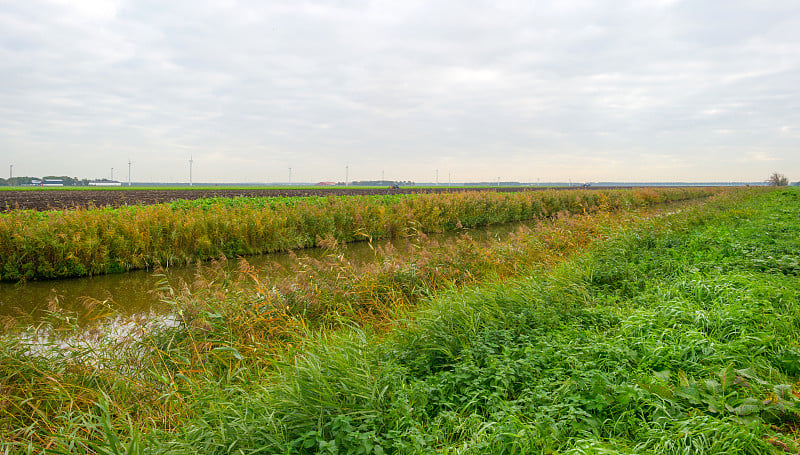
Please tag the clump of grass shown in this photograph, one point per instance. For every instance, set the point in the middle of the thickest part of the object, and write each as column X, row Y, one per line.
column 53, row 374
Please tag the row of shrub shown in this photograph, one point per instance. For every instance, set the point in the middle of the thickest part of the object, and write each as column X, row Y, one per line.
column 71, row 243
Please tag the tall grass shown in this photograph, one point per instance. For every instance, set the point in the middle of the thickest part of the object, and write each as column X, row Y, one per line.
column 672, row 334
column 665, row 340
column 245, row 320
column 58, row 244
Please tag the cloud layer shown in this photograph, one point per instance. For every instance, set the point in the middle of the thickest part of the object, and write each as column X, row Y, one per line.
column 649, row 90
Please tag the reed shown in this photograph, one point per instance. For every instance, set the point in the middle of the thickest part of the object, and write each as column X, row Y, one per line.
column 70, row 243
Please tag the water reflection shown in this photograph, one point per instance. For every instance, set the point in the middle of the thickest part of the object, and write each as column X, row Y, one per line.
column 134, row 292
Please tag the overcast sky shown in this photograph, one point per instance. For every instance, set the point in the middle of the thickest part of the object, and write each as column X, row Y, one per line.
column 640, row 90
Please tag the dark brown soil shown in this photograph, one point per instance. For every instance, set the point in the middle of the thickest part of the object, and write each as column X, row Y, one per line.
column 51, row 199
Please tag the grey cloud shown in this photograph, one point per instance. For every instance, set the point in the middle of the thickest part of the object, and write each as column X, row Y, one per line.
column 413, row 85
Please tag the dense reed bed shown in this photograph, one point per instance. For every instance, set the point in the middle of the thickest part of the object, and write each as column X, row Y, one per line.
column 58, row 244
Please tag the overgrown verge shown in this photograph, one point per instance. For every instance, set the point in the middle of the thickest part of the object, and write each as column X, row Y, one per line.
column 249, row 317
column 680, row 336
column 633, row 349
column 58, row 244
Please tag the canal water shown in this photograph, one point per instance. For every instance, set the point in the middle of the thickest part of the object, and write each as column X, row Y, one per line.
column 134, row 293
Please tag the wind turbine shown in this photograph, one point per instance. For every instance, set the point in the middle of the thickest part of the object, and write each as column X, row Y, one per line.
column 190, row 169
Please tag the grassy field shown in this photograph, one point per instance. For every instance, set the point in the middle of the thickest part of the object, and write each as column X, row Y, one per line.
column 628, row 332
column 70, row 243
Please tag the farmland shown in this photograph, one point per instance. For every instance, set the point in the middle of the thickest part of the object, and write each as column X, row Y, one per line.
column 652, row 328
column 69, row 198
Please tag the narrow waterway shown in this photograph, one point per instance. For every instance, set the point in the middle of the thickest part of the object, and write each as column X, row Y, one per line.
column 133, row 292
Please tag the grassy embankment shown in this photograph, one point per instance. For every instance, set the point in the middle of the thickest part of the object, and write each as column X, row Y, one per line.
column 677, row 334
column 69, row 243
column 267, row 316
column 680, row 336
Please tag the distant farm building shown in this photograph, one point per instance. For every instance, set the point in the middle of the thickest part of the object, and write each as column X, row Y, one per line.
column 47, row 182
column 105, row 183
column 326, row 183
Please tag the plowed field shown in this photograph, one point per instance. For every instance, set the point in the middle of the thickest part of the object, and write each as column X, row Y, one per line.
column 67, row 199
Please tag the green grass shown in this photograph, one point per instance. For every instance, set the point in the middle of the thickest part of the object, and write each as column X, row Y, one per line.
column 672, row 334
column 666, row 340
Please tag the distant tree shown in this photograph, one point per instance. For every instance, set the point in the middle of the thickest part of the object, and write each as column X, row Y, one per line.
column 777, row 179
column 19, row 181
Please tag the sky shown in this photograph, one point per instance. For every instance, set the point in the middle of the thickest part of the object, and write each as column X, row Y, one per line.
column 568, row 90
